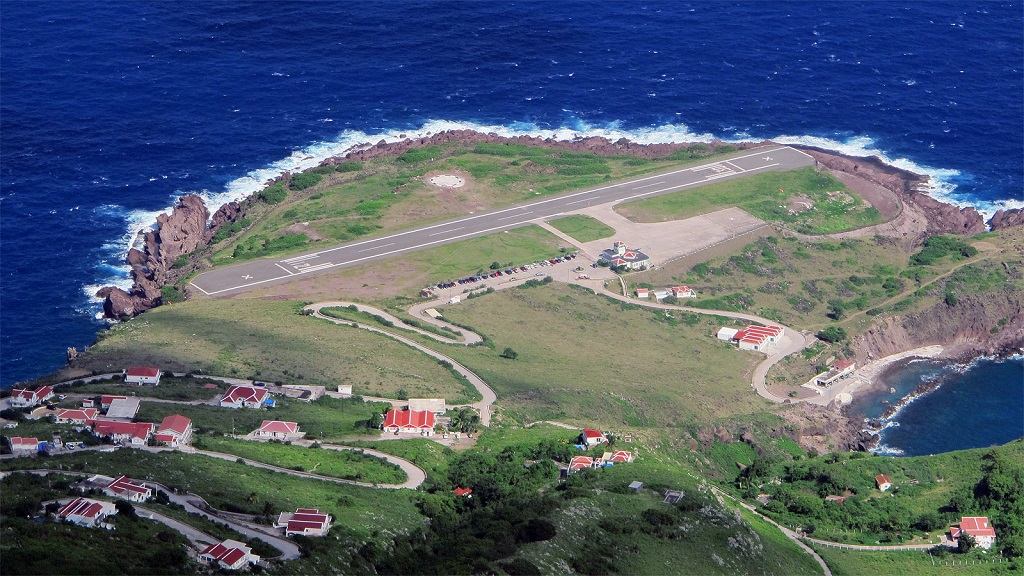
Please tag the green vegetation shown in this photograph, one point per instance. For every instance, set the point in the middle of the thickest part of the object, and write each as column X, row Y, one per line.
column 937, row 247
column 171, row 388
column 345, row 464
column 809, row 201
column 327, row 418
column 662, row 371
column 583, row 228
column 304, row 180
column 909, row 563
column 929, row 494
column 269, row 340
column 273, row 194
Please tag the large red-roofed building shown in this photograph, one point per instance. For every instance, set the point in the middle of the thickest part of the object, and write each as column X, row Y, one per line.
column 304, row 522
column 978, row 527
column 244, row 397
column 136, row 433
column 142, row 375
column 132, row 490
column 24, row 398
column 756, row 337
column 82, row 416
column 174, row 431
column 86, row 512
column 229, row 554
column 409, row 422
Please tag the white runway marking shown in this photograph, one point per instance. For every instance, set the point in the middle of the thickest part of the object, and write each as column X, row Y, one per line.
column 301, row 258
column 515, row 215
column 283, row 268
column 375, row 247
column 649, row 185
column 442, row 232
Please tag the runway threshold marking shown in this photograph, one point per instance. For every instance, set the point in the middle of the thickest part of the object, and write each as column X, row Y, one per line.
column 283, row 268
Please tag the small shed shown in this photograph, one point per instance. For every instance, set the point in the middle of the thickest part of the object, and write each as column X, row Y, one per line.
column 727, row 334
column 432, row 313
column 673, row 496
column 636, row 486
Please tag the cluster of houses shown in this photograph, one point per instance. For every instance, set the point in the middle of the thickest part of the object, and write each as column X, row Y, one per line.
column 590, row 438
column 675, row 291
column 753, row 337
column 174, row 431
column 27, row 398
column 620, row 256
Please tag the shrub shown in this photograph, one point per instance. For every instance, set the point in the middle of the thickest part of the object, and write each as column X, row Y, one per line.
column 273, row 195
column 305, row 180
column 832, row 334
column 509, row 354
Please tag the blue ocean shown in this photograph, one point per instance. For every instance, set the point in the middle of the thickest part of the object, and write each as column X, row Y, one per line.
column 110, row 110
column 973, row 405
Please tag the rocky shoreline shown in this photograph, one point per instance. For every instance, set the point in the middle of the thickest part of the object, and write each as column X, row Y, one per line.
column 155, row 260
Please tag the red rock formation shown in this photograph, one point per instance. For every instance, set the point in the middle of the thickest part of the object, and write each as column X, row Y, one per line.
column 1006, row 219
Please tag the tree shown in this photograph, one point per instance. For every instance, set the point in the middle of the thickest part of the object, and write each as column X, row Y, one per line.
column 509, row 353
column 125, row 508
column 832, row 334
column 965, row 543
column 495, row 265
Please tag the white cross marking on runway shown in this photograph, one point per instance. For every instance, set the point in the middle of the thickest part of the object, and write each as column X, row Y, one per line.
column 767, row 158
column 246, row 277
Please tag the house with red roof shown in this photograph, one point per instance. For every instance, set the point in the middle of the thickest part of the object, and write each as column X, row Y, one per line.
column 86, row 512
column 107, row 399
column 642, row 293
column 590, row 437
column 684, row 292
column 135, row 433
column 142, row 375
column 978, row 527
column 25, row 398
column 23, row 446
column 617, row 457
column 174, row 431
column 277, row 429
column 883, row 482
column 304, row 522
column 840, row 369
column 409, row 422
column 620, row 255
column 756, row 337
column 230, row 555
column 81, row 416
column 580, row 463
column 244, row 397
column 465, row 492
column 131, row 490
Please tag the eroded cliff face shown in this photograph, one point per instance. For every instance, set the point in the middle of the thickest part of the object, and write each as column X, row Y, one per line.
column 1006, row 219
column 176, row 234
column 966, row 327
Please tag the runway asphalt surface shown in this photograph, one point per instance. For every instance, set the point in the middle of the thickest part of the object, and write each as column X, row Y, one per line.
column 244, row 276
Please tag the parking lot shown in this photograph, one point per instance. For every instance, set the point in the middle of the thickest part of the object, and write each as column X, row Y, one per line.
column 568, row 262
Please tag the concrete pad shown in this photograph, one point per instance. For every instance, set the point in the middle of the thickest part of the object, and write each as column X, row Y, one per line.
column 667, row 241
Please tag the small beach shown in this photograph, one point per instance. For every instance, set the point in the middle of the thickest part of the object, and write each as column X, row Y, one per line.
column 869, row 376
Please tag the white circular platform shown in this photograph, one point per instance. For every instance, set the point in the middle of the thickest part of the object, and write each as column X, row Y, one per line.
column 448, row 181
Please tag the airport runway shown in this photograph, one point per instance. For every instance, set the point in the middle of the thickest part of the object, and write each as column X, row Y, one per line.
column 247, row 275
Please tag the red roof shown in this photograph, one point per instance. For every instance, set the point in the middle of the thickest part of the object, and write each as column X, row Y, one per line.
column 175, row 423
column 80, row 507
column 591, row 433
column 581, row 462
column 244, row 394
column 19, row 442
column 146, row 371
column 107, row 399
column 622, row 456
column 233, row 556
column 883, row 479
column 463, row 491
column 842, row 364
column 126, row 484
column 85, row 414
column 215, row 550
column 409, row 419
column 279, row 427
column 975, row 526
column 140, row 430
column 37, row 394
column 166, row 438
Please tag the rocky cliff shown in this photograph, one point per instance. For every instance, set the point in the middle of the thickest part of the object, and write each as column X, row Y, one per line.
column 1006, row 219
column 967, row 328
column 175, row 234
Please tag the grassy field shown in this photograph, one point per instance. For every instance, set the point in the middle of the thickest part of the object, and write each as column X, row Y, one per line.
column 403, row 276
column 584, row 358
column 771, row 196
column 327, row 418
column 170, row 388
column 269, row 340
column 345, row 464
column 387, row 194
column 582, row 228
column 908, row 563
column 427, row 454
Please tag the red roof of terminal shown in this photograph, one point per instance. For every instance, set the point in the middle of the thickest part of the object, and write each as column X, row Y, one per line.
column 409, row 419
column 147, row 371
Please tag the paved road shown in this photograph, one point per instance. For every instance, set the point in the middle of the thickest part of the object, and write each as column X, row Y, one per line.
column 240, row 277
column 488, row 395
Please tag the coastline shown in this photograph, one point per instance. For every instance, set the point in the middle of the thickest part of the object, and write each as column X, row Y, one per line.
column 871, row 376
